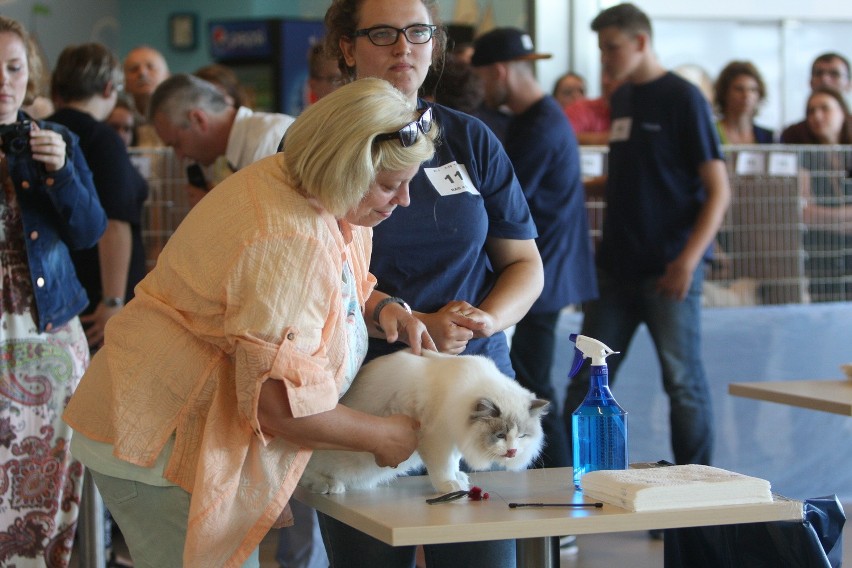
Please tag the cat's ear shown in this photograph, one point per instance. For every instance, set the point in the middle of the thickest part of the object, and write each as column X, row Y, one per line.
column 539, row 407
column 484, row 409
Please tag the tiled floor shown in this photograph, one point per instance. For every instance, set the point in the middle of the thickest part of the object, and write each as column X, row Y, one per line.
column 616, row 550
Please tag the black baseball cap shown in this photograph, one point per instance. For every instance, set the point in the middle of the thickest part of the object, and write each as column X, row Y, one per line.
column 504, row 44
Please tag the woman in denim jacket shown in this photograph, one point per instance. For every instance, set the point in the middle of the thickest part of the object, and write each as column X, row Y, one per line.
column 48, row 205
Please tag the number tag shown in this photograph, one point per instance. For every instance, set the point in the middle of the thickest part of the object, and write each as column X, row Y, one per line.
column 620, row 129
column 450, row 179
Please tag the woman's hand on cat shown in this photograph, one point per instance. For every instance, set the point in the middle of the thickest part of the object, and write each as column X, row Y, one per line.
column 400, row 325
column 397, row 441
column 455, row 324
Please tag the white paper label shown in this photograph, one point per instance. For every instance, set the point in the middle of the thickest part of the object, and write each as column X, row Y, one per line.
column 750, row 163
column 450, row 179
column 783, row 164
column 620, row 130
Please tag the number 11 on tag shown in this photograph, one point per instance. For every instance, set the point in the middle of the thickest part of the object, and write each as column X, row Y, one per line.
column 450, row 179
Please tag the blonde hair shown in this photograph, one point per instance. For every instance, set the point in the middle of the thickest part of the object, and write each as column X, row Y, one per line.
column 331, row 152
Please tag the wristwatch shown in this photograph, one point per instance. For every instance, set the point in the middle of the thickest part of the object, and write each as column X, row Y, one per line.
column 112, row 302
column 389, row 300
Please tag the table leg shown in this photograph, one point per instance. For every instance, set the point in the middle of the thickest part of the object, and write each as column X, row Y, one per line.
column 538, row 552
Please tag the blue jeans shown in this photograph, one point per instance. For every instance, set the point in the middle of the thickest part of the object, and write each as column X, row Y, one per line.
column 300, row 546
column 675, row 327
column 531, row 353
column 349, row 548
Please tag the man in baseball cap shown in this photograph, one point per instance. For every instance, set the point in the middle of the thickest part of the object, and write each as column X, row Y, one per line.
column 504, row 44
column 544, row 152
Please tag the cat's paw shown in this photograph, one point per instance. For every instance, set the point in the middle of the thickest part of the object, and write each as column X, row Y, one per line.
column 463, row 479
column 322, row 485
column 314, row 486
column 451, row 485
column 335, row 487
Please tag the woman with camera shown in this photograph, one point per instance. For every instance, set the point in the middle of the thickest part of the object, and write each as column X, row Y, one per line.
column 48, row 205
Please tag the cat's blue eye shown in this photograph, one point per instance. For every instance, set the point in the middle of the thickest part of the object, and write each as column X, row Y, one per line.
column 523, row 435
column 501, row 436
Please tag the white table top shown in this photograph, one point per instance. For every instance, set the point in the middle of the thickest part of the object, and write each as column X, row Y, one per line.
column 826, row 395
column 399, row 515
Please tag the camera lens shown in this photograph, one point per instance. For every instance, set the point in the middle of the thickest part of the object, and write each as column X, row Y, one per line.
column 18, row 144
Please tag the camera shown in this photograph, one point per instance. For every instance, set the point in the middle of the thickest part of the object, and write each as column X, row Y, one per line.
column 196, row 178
column 15, row 137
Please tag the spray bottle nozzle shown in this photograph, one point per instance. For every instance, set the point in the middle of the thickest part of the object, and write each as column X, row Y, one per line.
column 588, row 347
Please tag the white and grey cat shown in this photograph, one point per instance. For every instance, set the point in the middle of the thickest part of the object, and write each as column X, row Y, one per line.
column 466, row 408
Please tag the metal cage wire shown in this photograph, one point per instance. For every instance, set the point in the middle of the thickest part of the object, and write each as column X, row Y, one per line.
column 786, row 237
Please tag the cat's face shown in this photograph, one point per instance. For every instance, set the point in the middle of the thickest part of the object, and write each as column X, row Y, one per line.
column 505, row 432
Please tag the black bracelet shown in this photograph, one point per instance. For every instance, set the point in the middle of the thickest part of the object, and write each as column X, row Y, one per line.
column 389, row 300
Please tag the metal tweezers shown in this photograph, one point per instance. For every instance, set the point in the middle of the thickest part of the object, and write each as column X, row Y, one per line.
column 448, row 497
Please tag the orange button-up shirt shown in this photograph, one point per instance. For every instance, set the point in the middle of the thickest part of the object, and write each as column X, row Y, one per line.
column 247, row 289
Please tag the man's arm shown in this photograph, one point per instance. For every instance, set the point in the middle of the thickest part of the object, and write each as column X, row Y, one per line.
column 678, row 276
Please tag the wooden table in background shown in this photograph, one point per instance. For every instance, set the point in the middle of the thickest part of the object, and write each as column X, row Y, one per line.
column 826, row 395
column 399, row 515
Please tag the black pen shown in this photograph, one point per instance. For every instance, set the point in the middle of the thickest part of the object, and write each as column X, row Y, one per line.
column 516, row 505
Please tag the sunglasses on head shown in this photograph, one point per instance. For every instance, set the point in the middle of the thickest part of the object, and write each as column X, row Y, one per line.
column 408, row 134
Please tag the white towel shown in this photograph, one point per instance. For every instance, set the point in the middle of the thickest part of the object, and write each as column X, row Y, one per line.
column 674, row 487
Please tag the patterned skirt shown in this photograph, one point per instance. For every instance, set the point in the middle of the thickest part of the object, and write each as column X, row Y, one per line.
column 40, row 484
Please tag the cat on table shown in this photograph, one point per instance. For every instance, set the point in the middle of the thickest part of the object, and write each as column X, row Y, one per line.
column 466, row 408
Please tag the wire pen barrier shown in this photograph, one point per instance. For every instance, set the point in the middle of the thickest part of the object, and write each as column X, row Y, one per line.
column 786, row 237
column 167, row 202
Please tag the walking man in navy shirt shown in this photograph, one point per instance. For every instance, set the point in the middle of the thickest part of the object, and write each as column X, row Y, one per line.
column 666, row 193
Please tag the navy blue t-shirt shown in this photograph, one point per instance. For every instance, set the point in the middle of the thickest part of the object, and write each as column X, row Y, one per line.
column 122, row 191
column 433, row 251
column 661, row 133
column 543, row 149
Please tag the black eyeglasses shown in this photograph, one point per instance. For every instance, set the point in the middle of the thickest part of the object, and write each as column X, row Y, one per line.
column 387, row 35
column 408, row 134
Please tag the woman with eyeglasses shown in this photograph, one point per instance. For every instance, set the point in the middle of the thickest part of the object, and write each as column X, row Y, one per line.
column 198, row 416
column 463, row 253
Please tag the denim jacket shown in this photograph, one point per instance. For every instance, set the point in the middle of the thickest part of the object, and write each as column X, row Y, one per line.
column 60, row 211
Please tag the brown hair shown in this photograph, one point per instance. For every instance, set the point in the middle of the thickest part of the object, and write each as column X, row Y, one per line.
column 341, row 21
column 727, row 76
column 83, row 71
column 34, row 63
column 626, row 17
column 846, row 129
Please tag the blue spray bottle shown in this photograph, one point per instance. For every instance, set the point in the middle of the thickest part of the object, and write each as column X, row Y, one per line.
column 599, row 425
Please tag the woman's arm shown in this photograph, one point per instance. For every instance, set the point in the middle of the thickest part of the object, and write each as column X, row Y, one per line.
column 114, row 255
column 520, row 281
column 390, row 439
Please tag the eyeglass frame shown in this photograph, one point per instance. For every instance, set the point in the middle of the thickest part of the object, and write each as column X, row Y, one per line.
column 418, row 126
column 404, row 31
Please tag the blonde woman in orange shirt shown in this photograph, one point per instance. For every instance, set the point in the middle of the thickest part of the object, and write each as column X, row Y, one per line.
column 223, row 373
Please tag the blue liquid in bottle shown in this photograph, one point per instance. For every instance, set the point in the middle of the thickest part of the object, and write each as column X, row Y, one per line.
column 599, row 429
